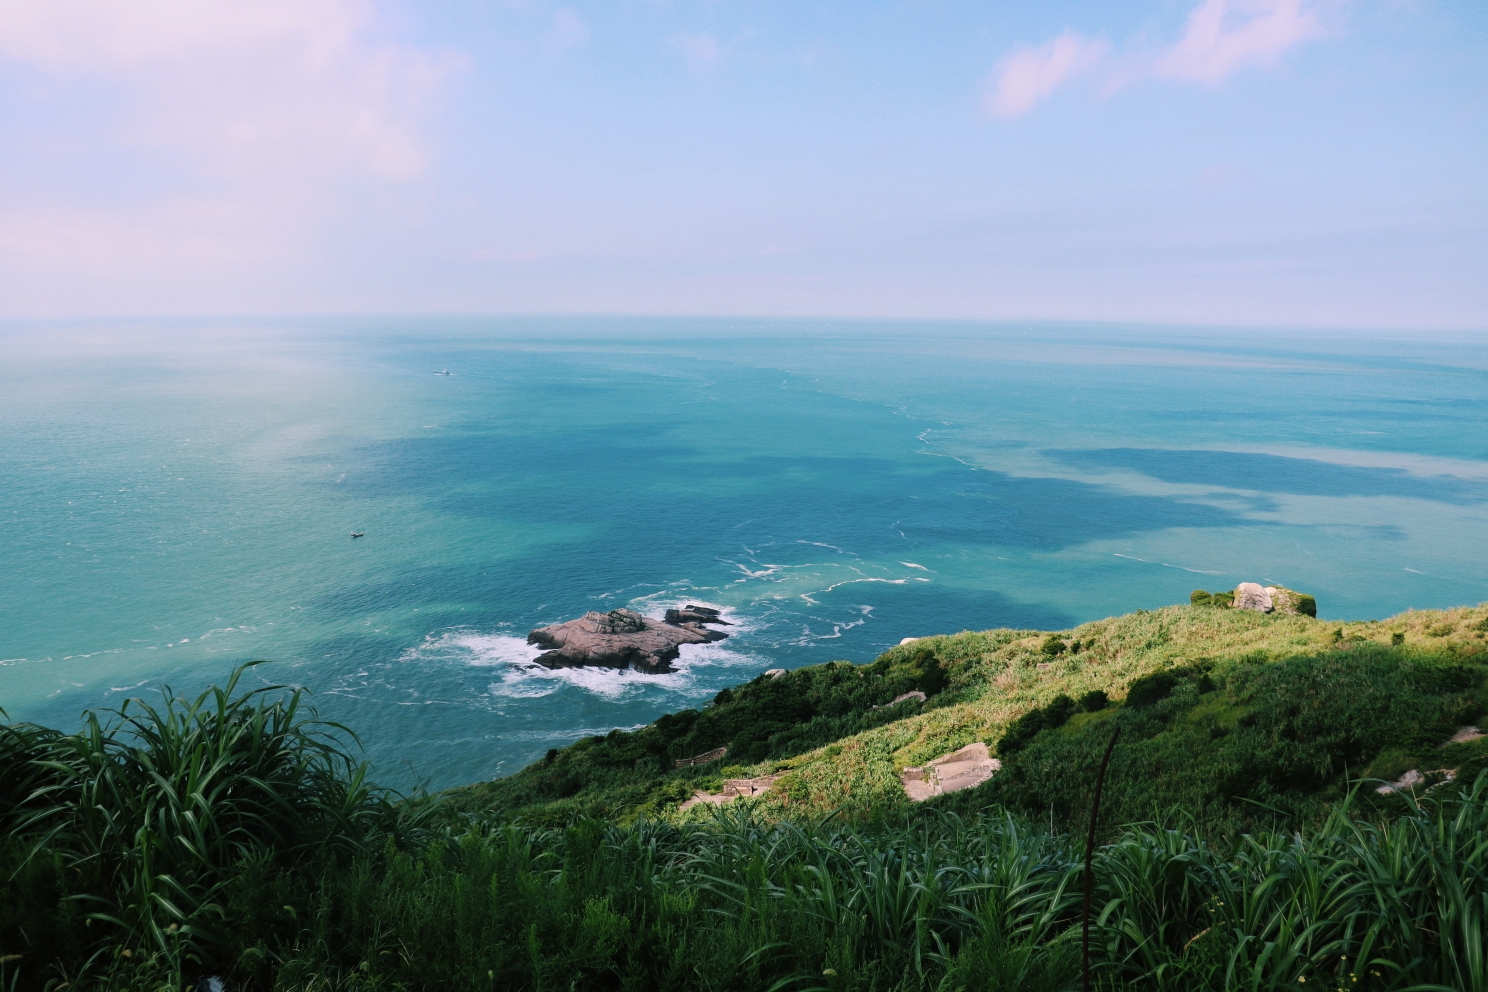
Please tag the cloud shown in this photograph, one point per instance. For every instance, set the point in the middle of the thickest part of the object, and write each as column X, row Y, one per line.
column 1222, row 36
column 1219, row 38
column 184, row 150
column 568, row 28
column 701, row 50
column 1027, row 76
column 241, row 86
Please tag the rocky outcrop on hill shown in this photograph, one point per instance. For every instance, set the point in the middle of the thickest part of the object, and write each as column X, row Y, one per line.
column 625, row 639
column 1259, row 599
column 1252, row 596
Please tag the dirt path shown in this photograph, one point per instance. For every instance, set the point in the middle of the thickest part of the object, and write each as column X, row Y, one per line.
column 963, row 769
column 733, row 788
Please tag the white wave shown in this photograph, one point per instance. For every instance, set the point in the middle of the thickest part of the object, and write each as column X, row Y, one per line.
column 91, row 654
column 126, row 688
column 1181, row 568
column 566, row 735
column 807, row 637
column 763, row 573
column 518, row 675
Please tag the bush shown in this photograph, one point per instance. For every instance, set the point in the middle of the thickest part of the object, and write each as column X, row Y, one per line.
column 160, row 805
column 1150, row 689
column 1307, row 605
column 1094, row 701
column 1058, row 712
column 1021, row 732
column 1054, row 646
column 1199, row 597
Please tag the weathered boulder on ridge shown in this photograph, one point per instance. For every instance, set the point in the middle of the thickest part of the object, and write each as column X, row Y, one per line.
column 1252, row 596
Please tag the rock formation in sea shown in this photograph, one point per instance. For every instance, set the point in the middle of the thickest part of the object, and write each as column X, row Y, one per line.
column 625, row 639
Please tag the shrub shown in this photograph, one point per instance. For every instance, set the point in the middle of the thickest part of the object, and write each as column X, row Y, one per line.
column 1058, row 712
column 1199, row 597
column 1021, row 732
column 1054, row 646
column 1094, row 701
column 161, row 804
column 1397, row 638
column 1150, row 689
column 1307, row 605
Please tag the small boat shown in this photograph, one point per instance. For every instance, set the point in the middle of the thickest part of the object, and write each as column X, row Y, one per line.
column 444, row 372
column 358, row 533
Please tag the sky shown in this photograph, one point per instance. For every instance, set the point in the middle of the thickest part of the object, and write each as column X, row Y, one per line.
column 1283, row 163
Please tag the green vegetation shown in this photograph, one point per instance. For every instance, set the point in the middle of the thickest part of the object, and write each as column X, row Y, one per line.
column 1219, row 600
column 768, row 719
column 233, row 834
column 1244, row 721
column 942, row 902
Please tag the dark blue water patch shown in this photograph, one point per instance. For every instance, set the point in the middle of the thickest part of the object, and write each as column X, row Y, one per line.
column 1275, row 474
column 671, row 494
column 986, row 508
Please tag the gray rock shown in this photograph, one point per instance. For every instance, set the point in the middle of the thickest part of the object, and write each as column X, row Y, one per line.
column 621, row 639
column 1251, row 596
column 695, row 614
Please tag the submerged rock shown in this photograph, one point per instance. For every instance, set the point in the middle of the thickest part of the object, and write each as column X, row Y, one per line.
column 625, row 639
column 695, row 614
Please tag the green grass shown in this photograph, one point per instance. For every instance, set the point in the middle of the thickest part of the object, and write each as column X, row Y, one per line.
column 141, row 822
column 234, row 834
column 1244, row 721
column 940, row 903
column 766, row 720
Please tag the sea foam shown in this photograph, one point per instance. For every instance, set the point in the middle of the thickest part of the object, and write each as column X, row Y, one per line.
column 519, row 676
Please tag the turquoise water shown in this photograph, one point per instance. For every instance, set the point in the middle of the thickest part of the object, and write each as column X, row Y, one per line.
column 178, row 498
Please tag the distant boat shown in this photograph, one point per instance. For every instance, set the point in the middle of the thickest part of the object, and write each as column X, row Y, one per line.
column 358, row 533
column 444, row 372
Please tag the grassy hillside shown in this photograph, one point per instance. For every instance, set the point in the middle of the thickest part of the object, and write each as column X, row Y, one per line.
column 1239, row 719
column 232, row 835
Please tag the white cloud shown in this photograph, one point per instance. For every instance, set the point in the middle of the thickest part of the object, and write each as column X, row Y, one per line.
column 241, row 86
column 1027, row 76
column 1219, row 37
column 1222, row 36
column 568, row 28
column 701, row 50
column 180, row 150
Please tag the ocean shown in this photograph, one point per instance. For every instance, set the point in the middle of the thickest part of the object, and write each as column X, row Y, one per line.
column 178, row 497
